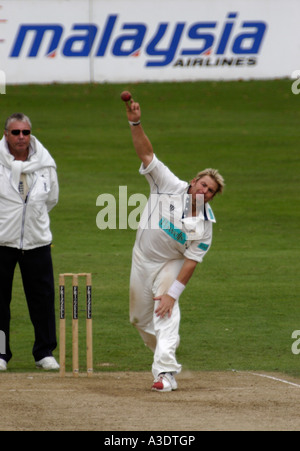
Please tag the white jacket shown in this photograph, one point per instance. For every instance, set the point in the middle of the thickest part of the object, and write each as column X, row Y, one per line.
column 26, row 224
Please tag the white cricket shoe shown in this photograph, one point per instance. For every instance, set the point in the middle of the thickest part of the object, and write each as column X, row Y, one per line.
column 3, row 365
column 165, row 382
column 47, row 363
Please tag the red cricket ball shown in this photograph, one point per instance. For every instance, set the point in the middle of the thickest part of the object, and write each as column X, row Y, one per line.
column 125, row 96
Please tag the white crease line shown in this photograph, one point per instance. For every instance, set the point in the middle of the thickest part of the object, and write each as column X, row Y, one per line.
column 35, row 390
column 274, row 379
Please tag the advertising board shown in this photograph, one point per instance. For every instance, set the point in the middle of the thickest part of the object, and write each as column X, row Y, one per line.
column 44, row 41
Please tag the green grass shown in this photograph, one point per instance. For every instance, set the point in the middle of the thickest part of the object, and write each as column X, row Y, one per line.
column 242, row 305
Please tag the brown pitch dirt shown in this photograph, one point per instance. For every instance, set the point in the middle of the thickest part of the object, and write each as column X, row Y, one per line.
column 204, row 401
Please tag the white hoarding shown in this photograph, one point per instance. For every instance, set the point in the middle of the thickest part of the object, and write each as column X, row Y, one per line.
column 44, row 41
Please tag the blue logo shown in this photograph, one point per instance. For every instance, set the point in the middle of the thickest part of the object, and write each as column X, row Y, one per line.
column 203, row 246
column 172, row 231
column 201, row 43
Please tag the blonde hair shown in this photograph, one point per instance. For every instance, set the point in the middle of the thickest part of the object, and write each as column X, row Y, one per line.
column 215, row 175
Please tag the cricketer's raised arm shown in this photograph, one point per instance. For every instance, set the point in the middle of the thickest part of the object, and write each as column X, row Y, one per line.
column 141, row 142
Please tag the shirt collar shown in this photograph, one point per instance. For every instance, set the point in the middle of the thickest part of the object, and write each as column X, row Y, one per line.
column 206, row 211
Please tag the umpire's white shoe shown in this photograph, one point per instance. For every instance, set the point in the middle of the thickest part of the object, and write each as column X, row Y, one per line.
column 165, row 382
column 3, row 365
column 47, row 363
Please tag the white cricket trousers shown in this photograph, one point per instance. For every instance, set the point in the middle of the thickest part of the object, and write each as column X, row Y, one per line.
column 147, row 280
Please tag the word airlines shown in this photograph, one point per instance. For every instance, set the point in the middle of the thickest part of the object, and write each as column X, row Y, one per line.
column 161, row 44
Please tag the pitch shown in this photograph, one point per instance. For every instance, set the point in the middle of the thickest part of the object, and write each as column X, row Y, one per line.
column 120, row 401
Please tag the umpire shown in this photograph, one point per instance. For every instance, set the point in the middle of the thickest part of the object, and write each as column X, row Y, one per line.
column 28, row 191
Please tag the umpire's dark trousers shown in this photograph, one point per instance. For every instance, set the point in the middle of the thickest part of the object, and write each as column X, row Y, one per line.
column 38, row 282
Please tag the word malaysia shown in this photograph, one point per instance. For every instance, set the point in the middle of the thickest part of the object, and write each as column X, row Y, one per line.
column 233, row 42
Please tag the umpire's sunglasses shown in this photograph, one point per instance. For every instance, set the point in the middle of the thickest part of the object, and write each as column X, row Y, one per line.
column 17, row 132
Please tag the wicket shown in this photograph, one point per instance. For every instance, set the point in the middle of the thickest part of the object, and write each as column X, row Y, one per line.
column 89, row 335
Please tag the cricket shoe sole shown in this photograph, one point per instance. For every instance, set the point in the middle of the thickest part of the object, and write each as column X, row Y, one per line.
column 165, row 383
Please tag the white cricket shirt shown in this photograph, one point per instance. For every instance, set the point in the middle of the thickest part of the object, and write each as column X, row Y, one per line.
column 164, row 231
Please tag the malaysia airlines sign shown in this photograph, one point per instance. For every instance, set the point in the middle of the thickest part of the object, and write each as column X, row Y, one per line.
column 202, row 39
column 161, row 43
